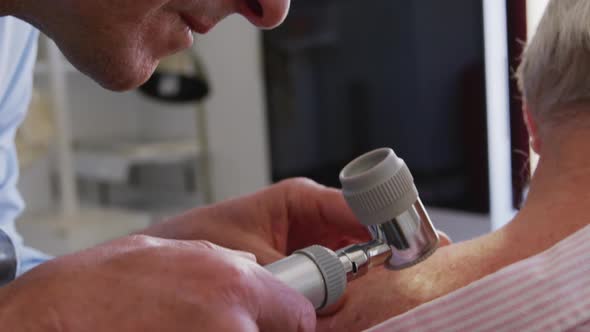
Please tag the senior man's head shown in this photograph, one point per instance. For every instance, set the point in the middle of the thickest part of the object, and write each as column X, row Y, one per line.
column 118, row 43
column 554, row 75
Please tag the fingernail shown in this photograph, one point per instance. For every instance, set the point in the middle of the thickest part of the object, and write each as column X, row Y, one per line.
column 255, row 7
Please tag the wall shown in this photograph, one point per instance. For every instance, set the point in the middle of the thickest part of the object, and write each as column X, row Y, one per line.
column 236, row 109
column 97, row 113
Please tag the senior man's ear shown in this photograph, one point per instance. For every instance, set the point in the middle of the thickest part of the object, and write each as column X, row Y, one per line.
column 532, row 128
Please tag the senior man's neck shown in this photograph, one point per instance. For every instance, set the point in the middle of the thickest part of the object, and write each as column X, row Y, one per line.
column 559, row 198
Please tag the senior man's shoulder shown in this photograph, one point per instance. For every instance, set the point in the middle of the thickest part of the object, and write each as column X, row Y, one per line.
column 384, row 293
column 451, row 271
column 548, row 291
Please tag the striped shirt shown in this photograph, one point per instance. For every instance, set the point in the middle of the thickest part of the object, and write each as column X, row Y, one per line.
column 547, row 292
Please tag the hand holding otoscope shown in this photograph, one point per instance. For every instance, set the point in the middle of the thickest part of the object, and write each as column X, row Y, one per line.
column 380, row 190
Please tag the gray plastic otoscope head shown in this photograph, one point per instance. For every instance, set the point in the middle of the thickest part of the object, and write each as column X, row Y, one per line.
column 316, row 272
column 378, row 186
column 380, row 190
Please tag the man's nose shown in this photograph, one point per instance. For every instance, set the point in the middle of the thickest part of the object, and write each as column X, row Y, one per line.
column 265, row 14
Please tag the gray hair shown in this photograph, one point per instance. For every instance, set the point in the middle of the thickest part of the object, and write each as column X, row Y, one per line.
column 555, row 69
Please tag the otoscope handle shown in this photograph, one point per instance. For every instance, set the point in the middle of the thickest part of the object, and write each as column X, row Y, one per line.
column 316, row 272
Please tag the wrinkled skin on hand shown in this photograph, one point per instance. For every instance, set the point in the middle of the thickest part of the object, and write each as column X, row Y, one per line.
column 272, row 223
column 140, row 283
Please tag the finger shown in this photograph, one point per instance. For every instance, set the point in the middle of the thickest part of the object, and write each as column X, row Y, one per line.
column 324, row 203
column 247, row 255
column 253, row 243
column 282, row 308
column 444, row 239
column 320, row 215
column 268, row 302
column 234, row 319
column 212, row 246
column 267, row 256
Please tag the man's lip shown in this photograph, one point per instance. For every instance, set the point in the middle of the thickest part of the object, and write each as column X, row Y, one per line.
column 194, row 24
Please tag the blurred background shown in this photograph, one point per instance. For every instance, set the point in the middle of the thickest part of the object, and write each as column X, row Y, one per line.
column 244, row 108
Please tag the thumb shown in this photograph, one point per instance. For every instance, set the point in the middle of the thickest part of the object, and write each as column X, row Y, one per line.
column 444, row 239
column 212, row 246
column 281, row 308
column 265, row 300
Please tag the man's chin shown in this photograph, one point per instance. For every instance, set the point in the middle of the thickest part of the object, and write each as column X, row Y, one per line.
column 126, row 79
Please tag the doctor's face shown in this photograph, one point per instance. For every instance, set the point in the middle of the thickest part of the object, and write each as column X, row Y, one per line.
column 119, row 43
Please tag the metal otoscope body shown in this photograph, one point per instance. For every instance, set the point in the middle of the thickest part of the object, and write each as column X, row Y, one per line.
column 380, row 190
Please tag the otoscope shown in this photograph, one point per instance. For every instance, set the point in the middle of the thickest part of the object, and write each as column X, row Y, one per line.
column 380, row 191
